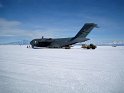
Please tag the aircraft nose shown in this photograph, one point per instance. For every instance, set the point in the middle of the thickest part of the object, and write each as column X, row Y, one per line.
column 31, row 42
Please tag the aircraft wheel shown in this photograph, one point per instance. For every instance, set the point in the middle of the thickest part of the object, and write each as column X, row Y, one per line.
column 32, row 46
column 67, row 47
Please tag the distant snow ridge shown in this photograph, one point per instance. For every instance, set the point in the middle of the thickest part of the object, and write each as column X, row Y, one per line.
column 23, row 42
column 108, row 43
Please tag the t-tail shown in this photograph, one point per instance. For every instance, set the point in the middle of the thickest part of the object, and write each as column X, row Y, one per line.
column 85, row 30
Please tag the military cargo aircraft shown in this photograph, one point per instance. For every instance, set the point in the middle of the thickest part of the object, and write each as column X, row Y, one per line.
column 64, row 42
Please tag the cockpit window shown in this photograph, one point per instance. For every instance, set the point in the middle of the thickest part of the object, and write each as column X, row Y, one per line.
column 35, row 42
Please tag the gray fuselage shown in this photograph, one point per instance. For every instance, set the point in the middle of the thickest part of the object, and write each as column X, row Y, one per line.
column 56, row 43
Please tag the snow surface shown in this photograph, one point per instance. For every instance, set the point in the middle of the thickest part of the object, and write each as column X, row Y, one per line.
column 76, row 70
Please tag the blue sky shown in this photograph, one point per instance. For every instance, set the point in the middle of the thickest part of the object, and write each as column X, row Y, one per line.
column 29, row 19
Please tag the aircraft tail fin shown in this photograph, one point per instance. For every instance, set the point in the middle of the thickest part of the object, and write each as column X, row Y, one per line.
column 85, row 30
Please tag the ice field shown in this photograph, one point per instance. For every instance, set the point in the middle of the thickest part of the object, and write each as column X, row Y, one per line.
column 76, row 70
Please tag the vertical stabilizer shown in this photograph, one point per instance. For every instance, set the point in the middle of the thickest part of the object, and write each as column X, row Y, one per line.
column 85, row 30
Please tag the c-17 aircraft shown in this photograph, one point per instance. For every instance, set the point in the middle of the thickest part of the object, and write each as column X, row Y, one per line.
column 64, row 42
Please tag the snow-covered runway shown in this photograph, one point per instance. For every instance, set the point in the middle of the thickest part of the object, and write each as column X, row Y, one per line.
column 76, row 70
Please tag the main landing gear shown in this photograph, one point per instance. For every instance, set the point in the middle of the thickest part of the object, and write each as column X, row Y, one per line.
column 67, row 47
